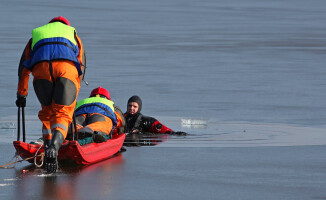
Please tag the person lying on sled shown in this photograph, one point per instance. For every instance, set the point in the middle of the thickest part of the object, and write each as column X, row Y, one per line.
column 97, row 117
column 138, row 123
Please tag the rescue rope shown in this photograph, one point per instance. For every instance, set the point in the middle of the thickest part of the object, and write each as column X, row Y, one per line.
column 10, row 163
column 18, row 160
column 42, row 158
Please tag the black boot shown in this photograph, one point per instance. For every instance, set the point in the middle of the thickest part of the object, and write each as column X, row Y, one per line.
column 98, row 137
column 46, row 143
column 51, row 152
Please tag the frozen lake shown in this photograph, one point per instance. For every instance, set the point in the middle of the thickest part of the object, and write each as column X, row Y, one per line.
column 252, row 71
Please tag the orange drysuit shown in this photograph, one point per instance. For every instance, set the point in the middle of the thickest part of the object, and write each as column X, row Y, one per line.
column 97, row 122
column 56, row 84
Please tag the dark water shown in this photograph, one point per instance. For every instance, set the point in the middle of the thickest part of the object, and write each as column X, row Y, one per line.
column 252, row 71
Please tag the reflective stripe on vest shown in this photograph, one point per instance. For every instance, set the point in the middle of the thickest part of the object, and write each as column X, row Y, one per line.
column 95, row 100
column 52, row 30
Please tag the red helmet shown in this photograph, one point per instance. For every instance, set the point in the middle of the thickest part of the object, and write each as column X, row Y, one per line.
column 100, row 91
column 60, row 19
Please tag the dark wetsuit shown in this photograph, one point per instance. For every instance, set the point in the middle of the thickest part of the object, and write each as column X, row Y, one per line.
column 144, row 124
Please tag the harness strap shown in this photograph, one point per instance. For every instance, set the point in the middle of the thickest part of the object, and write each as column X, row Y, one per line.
column 51, row 74
column 123, row 125
column 47, row 43
column 137, row 122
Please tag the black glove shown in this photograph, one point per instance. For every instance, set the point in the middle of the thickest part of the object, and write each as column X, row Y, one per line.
column 180, row 133
column 21, row 101
column 177, row 133
column 158, row 127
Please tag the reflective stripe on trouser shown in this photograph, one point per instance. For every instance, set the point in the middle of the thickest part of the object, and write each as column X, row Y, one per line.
column 46, row 133
column 58, row 100
column 96, row 122
column 61, row 127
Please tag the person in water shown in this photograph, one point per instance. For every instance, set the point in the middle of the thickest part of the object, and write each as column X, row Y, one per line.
column 98, row 117
column 138, row 123
column 56, row 58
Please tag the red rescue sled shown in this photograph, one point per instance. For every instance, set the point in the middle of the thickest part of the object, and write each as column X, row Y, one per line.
column 72, row 151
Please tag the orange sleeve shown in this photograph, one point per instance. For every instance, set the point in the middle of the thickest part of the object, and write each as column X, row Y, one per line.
column 23, row 72
column 81, row 56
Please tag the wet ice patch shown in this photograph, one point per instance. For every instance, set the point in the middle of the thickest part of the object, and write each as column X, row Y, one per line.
column 194, row 123
column 8, row 182
column 5, row 184
column 7, row 125
column 10, row 179
column 45, row 175
column 56, row 174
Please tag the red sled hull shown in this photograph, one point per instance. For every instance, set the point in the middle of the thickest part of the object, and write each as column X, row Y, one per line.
column 71, row 150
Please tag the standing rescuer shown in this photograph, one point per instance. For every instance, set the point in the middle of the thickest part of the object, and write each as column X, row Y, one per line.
column 56, row 58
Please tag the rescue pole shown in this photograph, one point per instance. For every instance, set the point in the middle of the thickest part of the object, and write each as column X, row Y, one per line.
column 18, row 127
column 23, row 120
column 74, row 128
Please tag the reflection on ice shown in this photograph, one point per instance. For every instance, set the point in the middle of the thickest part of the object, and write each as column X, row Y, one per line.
column 194, row 123
column 144, row 139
